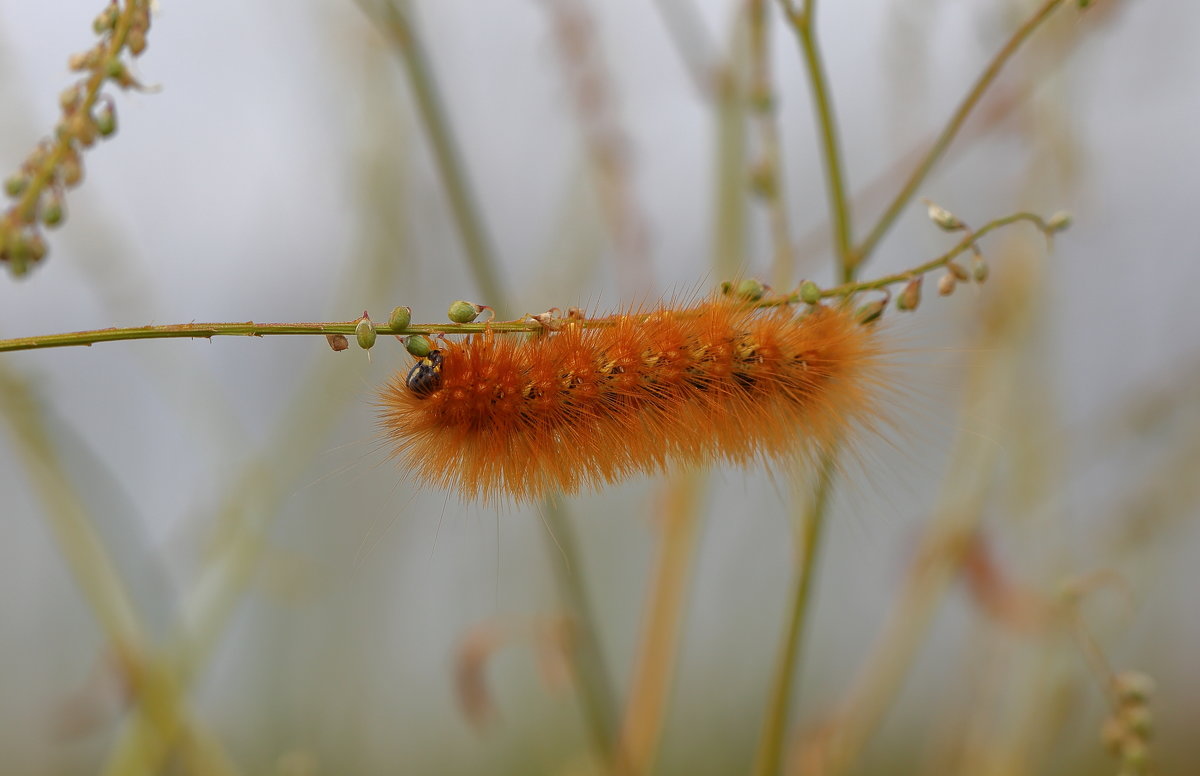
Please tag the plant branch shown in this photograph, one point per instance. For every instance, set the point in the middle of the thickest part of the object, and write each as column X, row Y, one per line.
column 769, row 756
column 525, row 324
column 943, row 140
column 803, row 23
column 595, row 682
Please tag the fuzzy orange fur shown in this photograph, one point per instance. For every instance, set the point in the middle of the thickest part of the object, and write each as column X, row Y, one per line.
column 518, row 417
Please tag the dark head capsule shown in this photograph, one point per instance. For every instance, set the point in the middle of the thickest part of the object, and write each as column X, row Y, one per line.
column 425, row 377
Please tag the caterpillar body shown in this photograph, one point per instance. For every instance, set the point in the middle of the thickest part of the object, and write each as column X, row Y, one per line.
column 503, row 416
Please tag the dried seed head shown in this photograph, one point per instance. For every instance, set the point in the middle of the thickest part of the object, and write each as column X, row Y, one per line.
column 70, row 171
column 1059, row 221
column 1139, row 721
column 462, row 311
column 337, row 341
column 136, row 41
column 910, row 297
column 946, row 284
column 960, row 273
column 810, row 293
column 872, row 312
column 106, row 20
column 944, row 218
column 400, row 318
column 1133, row 687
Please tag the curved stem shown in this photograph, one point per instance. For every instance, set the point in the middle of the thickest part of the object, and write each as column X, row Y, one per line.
column 803, row 22
column 527, row 324
column 957, row 119
column 769, row 756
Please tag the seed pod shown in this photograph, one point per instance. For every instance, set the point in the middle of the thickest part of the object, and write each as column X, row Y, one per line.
column 400, row 318
column 15, row 184
column 418, row 345
column 810, row 293
column 910, row 297
column 365, row 333
column 463, row 312
column 52, row 211
column 106, row 120
column 960, row 273
column 1059, row 221
column 337, row 341
column 944, row 218
column 946, row 284
column 980, row 271
column 751, row 289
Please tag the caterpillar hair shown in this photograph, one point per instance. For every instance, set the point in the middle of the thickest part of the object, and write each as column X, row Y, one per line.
column 502, row 416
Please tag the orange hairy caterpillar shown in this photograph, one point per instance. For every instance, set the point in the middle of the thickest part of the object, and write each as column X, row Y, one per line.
column 500, row 415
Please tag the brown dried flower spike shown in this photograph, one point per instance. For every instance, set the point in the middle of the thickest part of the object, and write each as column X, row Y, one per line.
column 37, row 188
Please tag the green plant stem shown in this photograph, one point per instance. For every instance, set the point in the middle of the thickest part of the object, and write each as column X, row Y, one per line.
column 769, row 755
column 803, row 22
column 396, row 23
column 662, row 620
column 729, row 221
column 594, row 681
column 252, row 329
column 160, row 708
column 768, row 170
column 943, row 140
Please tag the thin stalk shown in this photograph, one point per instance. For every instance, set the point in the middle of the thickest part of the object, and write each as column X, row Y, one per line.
column 395, row 21
column 594, row 681
column 768, row 170
column 803, row 22
column 662, row 619
column 729, row 219
column 160, row 708
column 251, row 329
column 769, row 756
column 948, row 133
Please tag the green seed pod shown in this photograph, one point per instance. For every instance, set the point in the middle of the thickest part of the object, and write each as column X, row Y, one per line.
column 400, row 318
column 463, row 312
column 418, row 345
column 52, row 211
column 16, row 184
column 980, row 271
column 365, row 333
column 751, row 289
column 810, row 293
column 106, row 120
column 115, row 69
